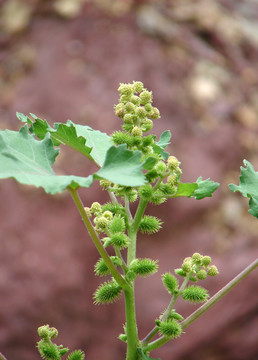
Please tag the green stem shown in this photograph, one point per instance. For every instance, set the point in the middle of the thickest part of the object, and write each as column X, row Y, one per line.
column 163, row 340
column 167, row 312
column 131, row 326
column 102, row 251
column 2, row 357
column 132, row 231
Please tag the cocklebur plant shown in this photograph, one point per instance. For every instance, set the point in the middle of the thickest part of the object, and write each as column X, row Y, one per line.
column 134, row 167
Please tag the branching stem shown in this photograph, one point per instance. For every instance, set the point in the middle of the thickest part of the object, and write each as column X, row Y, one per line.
column 163, row 340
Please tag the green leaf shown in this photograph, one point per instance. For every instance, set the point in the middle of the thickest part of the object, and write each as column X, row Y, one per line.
column 30, row 161
column 91, row 143
column 123, row 167
column 99, row 142
column 205, row 188
column 186, row 189
column 248, row 187
column 162, row 143
column 164, row 139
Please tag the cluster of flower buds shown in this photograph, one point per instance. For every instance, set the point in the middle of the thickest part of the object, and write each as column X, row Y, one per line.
column 136, row 110
column 197, row 267
column 50, row 351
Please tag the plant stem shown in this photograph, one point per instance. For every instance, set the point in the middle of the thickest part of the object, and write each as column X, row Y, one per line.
column 131, row 326
column 102, row 251
column 132, row 231
column 167, row 312
column 2, row 357
column 163, row 340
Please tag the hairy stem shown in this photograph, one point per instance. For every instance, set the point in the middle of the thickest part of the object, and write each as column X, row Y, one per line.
column 163, row 340
column 102, row 251
column 131, row 326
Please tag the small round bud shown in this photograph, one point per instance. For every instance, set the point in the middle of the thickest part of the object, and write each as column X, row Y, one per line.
column 161, row 168
column 119, row 110
column 132, row 195
column 147, row 125
column 148, row 108
column 108, row 215
column 155, row 114
column 196, row 257
column 172, row 179
column 144, row 267
column 173, row 163
column 105, row 184
column 136, row 131
column 195, row 294
column 128, row 119
column 129, row 107
column 187, row 266
column 135, row 100
column 125, row 99
column 96, row 208
column 101, row 222
column 107, row 293
column 146, row 97
column 53, row 332
column 43, row 331
column 212, row 270
column 125, row 89
column 138, row 86
column 201, row 274
column 140, row 112
column 206, row 260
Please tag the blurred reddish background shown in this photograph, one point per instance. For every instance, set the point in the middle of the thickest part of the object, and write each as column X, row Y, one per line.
column 64, row 60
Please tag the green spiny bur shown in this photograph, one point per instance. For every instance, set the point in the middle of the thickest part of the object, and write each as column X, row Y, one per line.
column 150, row 224
column 144, row 267
column 195, row 294
column 107, row 293
column 170, row 328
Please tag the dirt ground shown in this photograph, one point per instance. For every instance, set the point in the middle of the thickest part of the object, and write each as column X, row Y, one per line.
column 64, row 60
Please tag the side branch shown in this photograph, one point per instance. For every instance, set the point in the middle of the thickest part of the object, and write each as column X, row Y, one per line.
column 102, row 251
column 163, row 340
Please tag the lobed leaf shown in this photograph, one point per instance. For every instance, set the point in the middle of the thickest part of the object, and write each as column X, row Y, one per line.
column 159, row 147
column 30, row 161
column 205, row 188
column 91, row 143
column 248, row 187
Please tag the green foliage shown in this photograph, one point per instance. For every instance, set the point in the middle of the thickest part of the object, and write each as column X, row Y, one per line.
column 248, row 186
column 30, row 162
column 195, row 294
column 123, row 167
column 205, row 188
